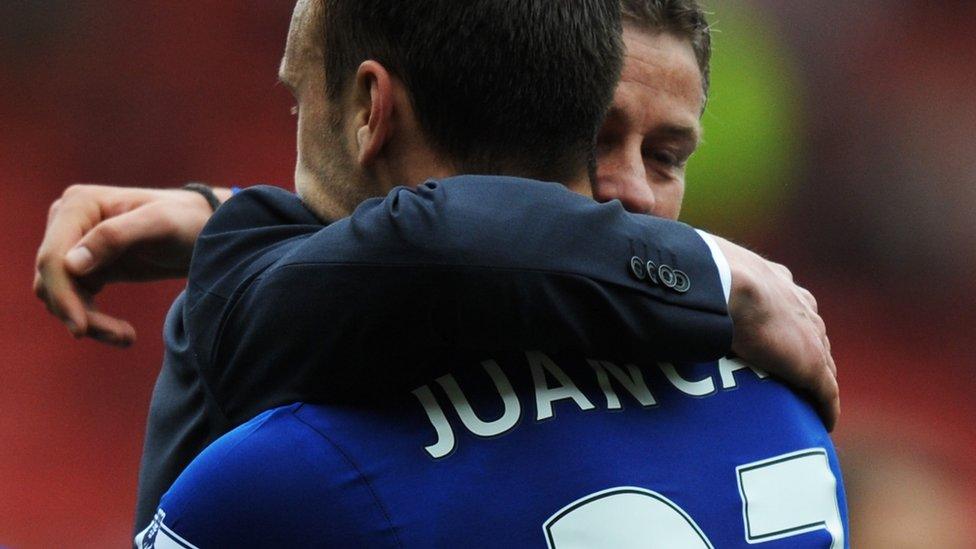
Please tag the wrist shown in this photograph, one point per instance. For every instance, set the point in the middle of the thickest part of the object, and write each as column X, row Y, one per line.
column 205, row 191
column 223, row 194
column 198, row 200
column 745, row 285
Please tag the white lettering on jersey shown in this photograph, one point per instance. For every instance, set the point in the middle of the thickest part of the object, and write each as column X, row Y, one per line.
column 543, row 370
column 700, row 388
column 510, row 415
column 633, row 381
column 445, row 435
column 546, row 395
column 728, row 366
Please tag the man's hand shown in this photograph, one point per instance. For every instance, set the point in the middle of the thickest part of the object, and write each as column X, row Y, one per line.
column 777, row 328
column 97, row 234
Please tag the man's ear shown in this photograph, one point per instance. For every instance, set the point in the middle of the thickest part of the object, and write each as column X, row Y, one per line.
column 374, row 110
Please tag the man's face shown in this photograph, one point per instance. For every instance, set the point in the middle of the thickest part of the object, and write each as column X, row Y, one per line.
column 652, row 126
column 325, row 159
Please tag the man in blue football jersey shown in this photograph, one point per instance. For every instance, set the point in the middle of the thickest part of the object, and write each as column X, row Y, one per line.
column 664, row 174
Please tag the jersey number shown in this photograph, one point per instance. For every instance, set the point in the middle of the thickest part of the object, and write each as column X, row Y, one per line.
column 782, row 496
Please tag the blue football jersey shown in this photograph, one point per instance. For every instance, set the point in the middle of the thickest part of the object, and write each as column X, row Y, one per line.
column 523, row 450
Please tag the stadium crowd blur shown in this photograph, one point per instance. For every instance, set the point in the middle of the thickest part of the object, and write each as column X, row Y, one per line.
column 840, row 139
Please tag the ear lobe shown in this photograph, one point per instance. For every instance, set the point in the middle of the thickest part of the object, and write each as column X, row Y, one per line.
column 376, row 85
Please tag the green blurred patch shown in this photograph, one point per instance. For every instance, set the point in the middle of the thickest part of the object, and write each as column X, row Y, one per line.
column 741, row 178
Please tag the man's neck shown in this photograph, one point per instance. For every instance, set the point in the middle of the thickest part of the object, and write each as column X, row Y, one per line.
column 335, row 202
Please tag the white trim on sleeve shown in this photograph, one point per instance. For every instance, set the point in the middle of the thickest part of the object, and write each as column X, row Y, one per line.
column 162, row 536
column 724, row 271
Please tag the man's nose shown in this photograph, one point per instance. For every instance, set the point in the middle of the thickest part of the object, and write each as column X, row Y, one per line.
column 625, row 180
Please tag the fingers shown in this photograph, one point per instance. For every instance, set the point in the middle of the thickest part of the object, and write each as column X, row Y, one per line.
column 829, row 358
column 75, row 328
column 99, row 248
column 818, row 327
column 54, row 286
column 824, row 386
column 68, row 219
column 827, row 396
column 110, row 330
column 111, row 238
column 80, row 208
column 94, row 324
column 783, row 271
column 821, row 382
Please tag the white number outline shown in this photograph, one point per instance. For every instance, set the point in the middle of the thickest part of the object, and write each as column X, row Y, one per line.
column 796, row 530
column 740, row 470
column 547, row 526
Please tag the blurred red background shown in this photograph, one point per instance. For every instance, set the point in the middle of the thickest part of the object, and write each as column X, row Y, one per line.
column 875, row 212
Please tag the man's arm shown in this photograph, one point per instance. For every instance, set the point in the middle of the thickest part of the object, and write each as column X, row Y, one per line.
column 776, row 322
column 476, row 264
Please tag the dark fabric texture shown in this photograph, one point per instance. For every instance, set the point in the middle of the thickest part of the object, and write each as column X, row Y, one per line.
column 280, row 308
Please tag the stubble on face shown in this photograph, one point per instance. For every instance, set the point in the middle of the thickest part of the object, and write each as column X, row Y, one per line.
column 327, row 177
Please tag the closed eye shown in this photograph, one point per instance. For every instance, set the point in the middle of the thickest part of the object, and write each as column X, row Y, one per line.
column 666, row 158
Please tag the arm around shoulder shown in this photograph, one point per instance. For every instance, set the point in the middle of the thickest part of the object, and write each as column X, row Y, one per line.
column 479, row 264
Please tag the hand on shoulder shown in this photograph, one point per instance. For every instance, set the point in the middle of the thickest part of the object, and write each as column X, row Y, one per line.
column 778, row 328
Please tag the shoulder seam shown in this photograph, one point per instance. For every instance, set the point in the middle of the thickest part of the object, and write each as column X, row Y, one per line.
column 362, row 476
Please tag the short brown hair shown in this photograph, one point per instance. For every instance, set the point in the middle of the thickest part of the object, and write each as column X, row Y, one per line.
column 685, row 18
column 516, row 87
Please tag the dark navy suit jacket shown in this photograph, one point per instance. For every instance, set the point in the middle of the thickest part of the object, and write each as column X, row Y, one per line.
column 280, row 308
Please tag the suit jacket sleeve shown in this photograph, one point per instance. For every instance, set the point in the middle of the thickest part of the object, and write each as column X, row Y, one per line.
column 470, row 264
